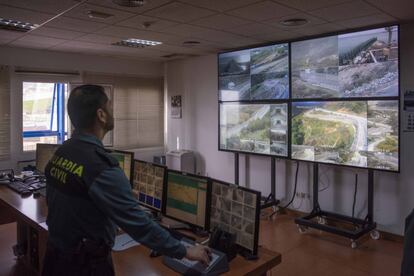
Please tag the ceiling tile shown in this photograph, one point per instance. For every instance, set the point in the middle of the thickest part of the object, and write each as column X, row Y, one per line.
column 148, row 5
column 404, row 9
column 312, row 20
column 100, row 39
column 37, row 41
column 263, row 11
column 179, row 12
column 367, row 21
column 48, row 6
column 7, row 36
column 345, row 11
column 253, row 29
column 81, row 12
column 24, row 15
column 56, row 33
column 220, row 5
column 221, row 22
column 319, row 29
column 155, row 23
column 75, row 24
column 280, row 35
column 306, row 5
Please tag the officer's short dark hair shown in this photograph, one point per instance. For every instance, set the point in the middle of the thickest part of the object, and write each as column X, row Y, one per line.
column 83, row 103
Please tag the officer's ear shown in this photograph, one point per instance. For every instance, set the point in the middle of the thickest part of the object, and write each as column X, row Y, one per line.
column 101, row 115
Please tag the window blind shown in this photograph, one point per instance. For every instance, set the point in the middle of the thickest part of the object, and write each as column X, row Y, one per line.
column 138, row 109
column 4, row 113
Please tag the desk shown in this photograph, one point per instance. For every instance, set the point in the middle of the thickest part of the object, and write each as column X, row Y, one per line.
column 31, row 214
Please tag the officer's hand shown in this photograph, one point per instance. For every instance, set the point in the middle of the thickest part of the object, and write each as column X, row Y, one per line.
column 199, row 253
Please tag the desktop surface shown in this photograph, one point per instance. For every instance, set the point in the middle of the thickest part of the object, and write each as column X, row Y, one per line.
column 186, row 198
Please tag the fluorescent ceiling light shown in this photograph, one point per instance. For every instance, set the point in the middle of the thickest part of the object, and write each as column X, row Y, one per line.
column 137, row 43
column 98, row 15
column 294, row 22
column 15, row 25
column 130, row 3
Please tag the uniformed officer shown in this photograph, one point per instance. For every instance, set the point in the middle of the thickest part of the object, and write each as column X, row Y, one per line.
column 407, row 266
column 88, row 195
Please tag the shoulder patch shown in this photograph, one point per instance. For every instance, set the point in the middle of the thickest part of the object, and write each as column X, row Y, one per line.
column 106, row 155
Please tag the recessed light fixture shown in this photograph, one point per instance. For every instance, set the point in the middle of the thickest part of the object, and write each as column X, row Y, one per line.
column 98, row 15
column 294, row 22
column 137, row 43
column 130, row 3
column 15, row 25
column 191, row 43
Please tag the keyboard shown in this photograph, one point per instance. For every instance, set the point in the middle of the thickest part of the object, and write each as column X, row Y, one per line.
column 217, row 265
column 20, row 187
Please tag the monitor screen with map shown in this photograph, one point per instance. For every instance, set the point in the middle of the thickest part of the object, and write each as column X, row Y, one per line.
column 187, row 198
column 125, row 160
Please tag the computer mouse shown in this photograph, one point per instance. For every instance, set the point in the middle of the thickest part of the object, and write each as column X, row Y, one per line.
column 26, row 193
column 154, row 254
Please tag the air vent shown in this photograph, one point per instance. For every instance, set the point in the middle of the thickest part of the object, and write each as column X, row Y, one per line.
column 176, row 56
column 136, row 43
column 15, row 25
column 294, row 22
column 130, row 3
column 98, row 15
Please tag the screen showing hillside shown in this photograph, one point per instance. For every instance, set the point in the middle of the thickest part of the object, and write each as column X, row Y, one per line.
column 256, row 128
column 359, row 64
column 254, row 74
column 354, row 133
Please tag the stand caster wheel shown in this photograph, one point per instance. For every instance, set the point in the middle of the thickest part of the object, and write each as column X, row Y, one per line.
column 322, row 220
column 354, row 244
column 302, row 229
column 375, row 234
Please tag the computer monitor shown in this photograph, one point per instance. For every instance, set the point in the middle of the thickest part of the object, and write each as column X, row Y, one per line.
column 44, row 152
column 187, row 198
column 148, row 184
column 125, row 160
column 236, row 210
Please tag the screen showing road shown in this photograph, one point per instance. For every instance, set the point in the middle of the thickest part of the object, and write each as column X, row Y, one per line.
column 187, row 198
column 148, row 184
column 359, row 64
column 355, row 133
column 255, row 74
column 258, row 128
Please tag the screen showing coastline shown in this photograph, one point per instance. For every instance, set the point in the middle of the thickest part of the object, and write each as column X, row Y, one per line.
column 257, row 128
column 355, row 133
column 359, row 64
column 255, row 74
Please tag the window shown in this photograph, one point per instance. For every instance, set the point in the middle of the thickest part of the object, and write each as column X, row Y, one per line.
column 43, row 113
column 4, row 113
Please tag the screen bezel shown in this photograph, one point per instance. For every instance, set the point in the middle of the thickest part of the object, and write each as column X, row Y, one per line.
column 163, row 185
column 132, row 162
column 290, row 100
column 257, row 215
column 37, row 154
column 208, row 200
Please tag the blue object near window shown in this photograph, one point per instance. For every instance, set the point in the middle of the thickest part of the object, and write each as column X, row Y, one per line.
column 59, row 95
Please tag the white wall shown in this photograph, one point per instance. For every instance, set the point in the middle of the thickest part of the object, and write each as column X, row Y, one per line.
column 196, row 80
column 56, row 61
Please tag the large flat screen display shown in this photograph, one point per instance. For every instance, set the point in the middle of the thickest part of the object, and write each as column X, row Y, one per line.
column 354, row 133
column 353, row 65
column 254, row 74
column 256, row 128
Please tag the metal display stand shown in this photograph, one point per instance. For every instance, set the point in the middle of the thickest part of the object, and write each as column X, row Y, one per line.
column 361, row 227
column 270, row 200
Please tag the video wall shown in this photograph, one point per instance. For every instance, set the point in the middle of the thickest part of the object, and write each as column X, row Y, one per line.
column 333, row 99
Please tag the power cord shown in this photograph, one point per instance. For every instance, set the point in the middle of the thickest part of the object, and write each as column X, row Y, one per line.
column 355, row 194
column 294, row 189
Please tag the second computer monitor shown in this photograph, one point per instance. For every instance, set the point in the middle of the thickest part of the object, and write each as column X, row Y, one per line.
column 187, row 198
column 236, row 210
column 125, row 160
column 44, row 152
column 148, row 185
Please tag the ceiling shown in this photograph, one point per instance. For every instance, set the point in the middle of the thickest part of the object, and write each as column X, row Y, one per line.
column 216, row 24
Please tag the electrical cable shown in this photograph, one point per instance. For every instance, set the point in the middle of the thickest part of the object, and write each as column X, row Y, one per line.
column 355, row 194
column 294, row 189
